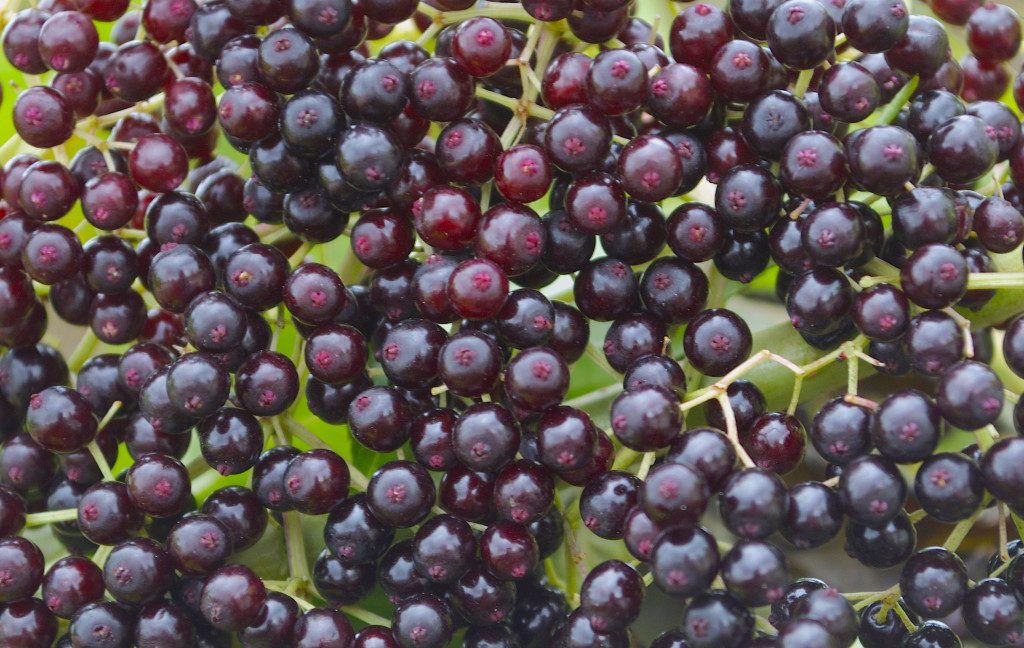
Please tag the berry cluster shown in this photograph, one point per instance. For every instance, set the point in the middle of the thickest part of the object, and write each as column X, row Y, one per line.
column 323, row 318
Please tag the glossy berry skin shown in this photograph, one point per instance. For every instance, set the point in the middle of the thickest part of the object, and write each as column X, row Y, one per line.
column 934, row 276
column 276, row 624
column 107, row 619
column 818, row 300
column 239, row 510
column 993, row 32
column 970, row 395
column 674, row 494
column 1013, row 345
column 230, row 440
column 998, row 224
column 400, row 494
column 266, row 384
column 831, row 610
column 596, row 202
column 684, row 561
column 882, row 159
column 775, row 441
column 353, row 534
column 465, row 151
column 443, row 549
column 198, row 544
column 537, row 379
column 481, row 46
column 106, row 513
column 841, row 431
column 21, row 562
column 697, row 33
column 158, row 485
column 606, row 289
column 716, row 618
column 577, row 138
column 606, row 501
column 60, row 420
column 316, row 480
column 961, row 149
column 884, row 546
column 197, row 385
column 70, row 583
column 872, row 490
column 341, row 584
column 646, row 419
column 137, row 571
column 706, row 450
column 565, row 438
column 833, row 234
column 747, row 198
column 508, row 550
column 422, row 621
column 753, row 503
column 881, row 312
column 477, row 288
column 906, row 426
column 673, row 290
column 874, row 25
column 232, row 597
column 523, row 492
column 999, row 480
column 716, row 341
column 679, row 95
column 991, row 612
column 755, row 572
column 813, row 164
column 485, row 437
column 12, row 512
column 933, row 582
column 379, row 418
column 469, row 363
column 949, row 486
column 368, row 156
column 42, row 117
column 163, row 623
column 934, row 342
column 800, row 34
column 611, row 596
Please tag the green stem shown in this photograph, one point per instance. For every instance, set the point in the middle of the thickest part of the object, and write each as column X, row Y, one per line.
column 83, row 351
column 295, row 545
column 624, row 458
column 1018, row 523
column 596, row 396
column 570, row 551
column 365, row 615
column 49, row 517
column 1014, row 280
column 100, row 557
column 645, row 465
column 101, row 461
column 764, row 626
column 552, row 574
column 960, row 531
column 297, row 257
column 868, row 600
column 276, row 586
column 892, row 109
column 803, row 82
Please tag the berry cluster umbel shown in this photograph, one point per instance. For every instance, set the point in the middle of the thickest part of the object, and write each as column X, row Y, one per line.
column 407, row 401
